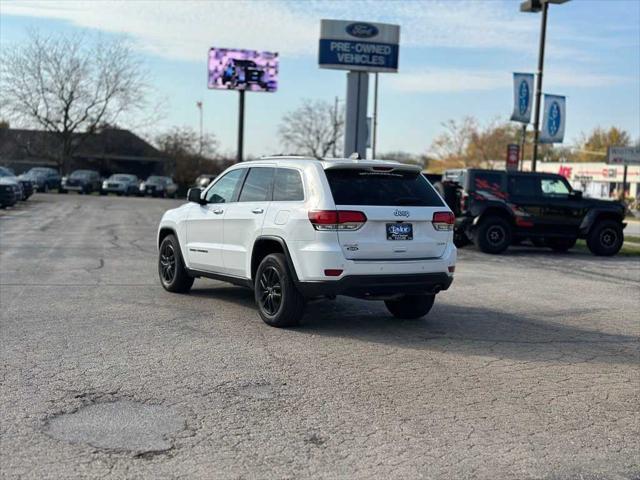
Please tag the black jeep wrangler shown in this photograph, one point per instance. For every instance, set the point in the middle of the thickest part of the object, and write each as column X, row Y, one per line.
column 495, row 209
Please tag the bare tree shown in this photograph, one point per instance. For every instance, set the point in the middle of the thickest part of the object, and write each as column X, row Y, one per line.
column 191, row 154
column 315, row 129
column 70, row 86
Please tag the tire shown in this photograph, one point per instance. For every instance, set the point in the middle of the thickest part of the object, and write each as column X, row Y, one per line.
column 410, row 307
column 561, row 244
column 103, row 193
column 173, row 275
column 273, row 277
column 62, row 190
column 605, row 238
column 493, row 235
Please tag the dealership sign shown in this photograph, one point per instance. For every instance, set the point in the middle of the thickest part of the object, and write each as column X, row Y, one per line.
column 522, row 97
column 553, row 120
column 624, row 155
column 362, row 46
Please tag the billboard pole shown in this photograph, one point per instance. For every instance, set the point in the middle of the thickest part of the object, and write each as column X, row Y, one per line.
column 240, row 126
column 375, row 117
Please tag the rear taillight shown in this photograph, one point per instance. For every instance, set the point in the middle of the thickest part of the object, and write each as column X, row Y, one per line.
column 443, row 221
column 328, row 220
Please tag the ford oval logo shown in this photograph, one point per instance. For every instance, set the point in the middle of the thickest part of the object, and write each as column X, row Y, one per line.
column 523, row 98
column 554, row 121
column 401, row 213
column 362, row 30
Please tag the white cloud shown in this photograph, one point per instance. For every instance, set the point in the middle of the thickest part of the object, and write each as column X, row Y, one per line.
column 467, row 80
column 185, row 29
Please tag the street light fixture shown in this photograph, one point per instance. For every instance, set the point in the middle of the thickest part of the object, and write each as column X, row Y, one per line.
column 534, row 6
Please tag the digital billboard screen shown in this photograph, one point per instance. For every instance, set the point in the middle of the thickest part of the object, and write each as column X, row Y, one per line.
column 231, row 69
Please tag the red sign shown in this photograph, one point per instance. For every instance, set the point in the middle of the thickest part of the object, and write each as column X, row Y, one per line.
column 513, row 156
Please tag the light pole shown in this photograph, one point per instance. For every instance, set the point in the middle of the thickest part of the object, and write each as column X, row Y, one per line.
column 534, row 6
column 199, row 105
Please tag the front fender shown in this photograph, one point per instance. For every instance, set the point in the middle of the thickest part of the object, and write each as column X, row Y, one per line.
column 595, row 214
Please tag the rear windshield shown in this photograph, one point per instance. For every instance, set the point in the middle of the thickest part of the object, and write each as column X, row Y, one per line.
column 364, row 187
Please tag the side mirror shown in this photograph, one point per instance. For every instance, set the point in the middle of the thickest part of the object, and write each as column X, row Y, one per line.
column 193, row 195
column 577, row 194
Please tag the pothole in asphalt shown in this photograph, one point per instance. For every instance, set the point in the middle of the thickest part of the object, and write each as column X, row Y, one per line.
column 120, row 425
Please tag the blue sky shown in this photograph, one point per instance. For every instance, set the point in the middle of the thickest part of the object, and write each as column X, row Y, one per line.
column 456, row 59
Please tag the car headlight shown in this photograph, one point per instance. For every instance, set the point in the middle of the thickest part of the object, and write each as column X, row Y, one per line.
column 104, row 184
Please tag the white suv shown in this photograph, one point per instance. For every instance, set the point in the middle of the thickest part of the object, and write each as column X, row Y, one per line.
column 293, row 228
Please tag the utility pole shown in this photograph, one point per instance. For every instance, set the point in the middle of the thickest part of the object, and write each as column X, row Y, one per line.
column 536, row 119
column 535, row 6
column 199, row 105
column 375, row 117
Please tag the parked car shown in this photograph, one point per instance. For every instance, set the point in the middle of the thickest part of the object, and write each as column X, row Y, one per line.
column 158, row 186
column 205, row 179
column 26, row 187
column 297, row 228
column 44, row 178
column 121, row 184
column 82, row 181
column 9, row 192
column 495, row 209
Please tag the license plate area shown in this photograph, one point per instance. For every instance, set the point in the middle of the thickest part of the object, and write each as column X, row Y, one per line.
column 399, row 231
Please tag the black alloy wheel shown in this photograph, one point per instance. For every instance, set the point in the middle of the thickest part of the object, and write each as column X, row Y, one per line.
column 270, row 290
column 493, row 235
column 173, row 275
column 167, row 263
column 279, row 302
column 606, row 238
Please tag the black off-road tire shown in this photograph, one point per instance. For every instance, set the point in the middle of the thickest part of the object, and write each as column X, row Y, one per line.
column 410, row 307
column 561, row 244
column 171, row 270
column 605, row 238
column 279, row 302
column 493, row 235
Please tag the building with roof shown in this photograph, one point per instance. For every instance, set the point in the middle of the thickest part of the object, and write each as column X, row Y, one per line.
column 111, row 150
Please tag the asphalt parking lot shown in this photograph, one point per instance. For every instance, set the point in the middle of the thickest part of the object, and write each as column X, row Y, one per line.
column 528, row 367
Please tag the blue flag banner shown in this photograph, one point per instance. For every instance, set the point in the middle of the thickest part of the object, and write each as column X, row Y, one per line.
column 553, row 120
column 522, row 97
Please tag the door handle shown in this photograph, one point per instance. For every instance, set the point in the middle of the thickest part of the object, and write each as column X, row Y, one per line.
column 218, row 211
column 257, row 210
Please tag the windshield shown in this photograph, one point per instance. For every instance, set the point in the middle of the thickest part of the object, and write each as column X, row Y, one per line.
column 156, row 179
column 5, row 172
column 122, row 178
column 81, row 174
column 38, row 171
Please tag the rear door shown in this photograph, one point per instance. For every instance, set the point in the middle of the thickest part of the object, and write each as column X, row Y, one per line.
column 243, row 220
column 399, row 205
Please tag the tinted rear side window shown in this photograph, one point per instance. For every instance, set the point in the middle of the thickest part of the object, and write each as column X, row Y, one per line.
column 287, row 186
column 524, row 185
column 257, row 186
column 363, row 187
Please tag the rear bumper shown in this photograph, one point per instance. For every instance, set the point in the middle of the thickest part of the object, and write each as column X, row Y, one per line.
column 364, row 286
